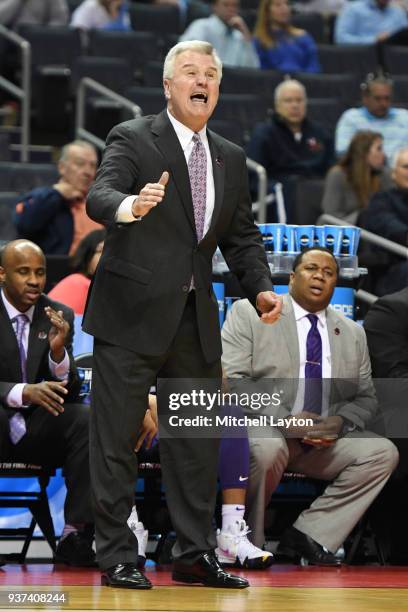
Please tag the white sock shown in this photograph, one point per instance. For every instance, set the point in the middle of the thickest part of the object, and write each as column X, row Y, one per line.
column 231, row 513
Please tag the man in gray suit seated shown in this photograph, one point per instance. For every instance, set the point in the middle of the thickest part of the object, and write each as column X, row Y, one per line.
column 318, row 361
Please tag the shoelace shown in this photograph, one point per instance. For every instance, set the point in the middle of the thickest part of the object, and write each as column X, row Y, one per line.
column 243, row 533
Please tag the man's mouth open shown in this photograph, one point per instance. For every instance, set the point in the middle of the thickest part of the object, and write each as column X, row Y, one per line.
column 199, row 98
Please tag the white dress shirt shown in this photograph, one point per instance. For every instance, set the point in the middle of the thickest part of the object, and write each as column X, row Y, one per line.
column 185, row 135
column 59, row 370
column 303, row 326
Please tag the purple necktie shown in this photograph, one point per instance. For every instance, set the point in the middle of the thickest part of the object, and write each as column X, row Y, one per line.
column 17, row 422
column 313, row 368
column 197, row 170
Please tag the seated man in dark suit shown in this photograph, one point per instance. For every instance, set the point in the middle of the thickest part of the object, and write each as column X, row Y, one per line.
column 55, row 217
column 38, row 382
column 386, row 326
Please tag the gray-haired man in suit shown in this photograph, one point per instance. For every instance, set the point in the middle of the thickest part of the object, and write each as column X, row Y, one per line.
column 335, row 448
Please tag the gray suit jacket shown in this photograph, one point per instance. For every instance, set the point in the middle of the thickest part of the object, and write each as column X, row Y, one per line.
column 267, row 357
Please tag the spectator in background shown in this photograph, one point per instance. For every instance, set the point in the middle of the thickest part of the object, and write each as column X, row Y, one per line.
column 55, row 217
column 290, row 145
column 375, row 114
column 73, row 289
column 102, row 14
column 281, row 46
column 228, row 34
column 358, row 175
column 33, row 12
column 387, row 215
column 365, row 22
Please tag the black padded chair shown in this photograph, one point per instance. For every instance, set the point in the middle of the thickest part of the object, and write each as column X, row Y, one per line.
column 7, row 204
column 113, row 72
column 313, row 23
column 351, row 59
column 245, row 109
column 231, row 130
column 24, row 176
column 342, row 87
column 308, row 200
column 236, row 80
column 137, row 48
column 52, row 45
column 326, row 111
column 150, row 99
column 35, row 501
column 160, row 19
column 153, row 74
column 395, row 59
column 54, row 50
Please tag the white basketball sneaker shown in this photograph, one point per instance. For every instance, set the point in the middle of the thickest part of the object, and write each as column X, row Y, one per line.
column 142, row 536
column 234, row 548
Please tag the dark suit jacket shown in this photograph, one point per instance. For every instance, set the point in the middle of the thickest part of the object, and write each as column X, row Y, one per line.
column 143, row 278
column 386, row 326
column 38, row 350
column 45, row 217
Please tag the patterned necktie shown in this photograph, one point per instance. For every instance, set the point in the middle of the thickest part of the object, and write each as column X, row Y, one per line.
column 17, row 422
column 197, row 170
column 313, row 368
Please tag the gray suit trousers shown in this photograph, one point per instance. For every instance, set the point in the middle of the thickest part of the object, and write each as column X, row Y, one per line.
column 357, row 466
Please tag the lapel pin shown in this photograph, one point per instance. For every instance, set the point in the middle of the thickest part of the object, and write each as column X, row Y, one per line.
column 219, row 161
column 336, row 331
column 42, row 335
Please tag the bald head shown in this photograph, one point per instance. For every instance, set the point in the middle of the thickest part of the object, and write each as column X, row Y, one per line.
column 22, row 273
column 18, row 248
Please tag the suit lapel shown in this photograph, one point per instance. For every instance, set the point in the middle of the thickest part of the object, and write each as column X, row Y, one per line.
column 334, row 323
column 37, row 341
column 289, row 331
column 9, row 342
column 169, row 145
column 218, row 165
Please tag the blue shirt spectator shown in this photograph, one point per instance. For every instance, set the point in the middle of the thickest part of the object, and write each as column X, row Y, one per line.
column 279, row 44
column 291, row 54
column 102, row 14
column 228, row 34
column 364, row 22
column 377, row 115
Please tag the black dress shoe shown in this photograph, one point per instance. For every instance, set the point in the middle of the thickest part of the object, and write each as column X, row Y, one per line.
column 296, row 545
column 76, row 550
column 125, row 576
column 207, row 571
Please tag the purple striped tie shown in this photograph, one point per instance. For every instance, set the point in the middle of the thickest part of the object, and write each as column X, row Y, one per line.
column 313, row 368
column 17, row 422
column 197, row 170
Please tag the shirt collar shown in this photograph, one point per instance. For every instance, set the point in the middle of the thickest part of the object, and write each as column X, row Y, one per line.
column 184, row 134
column 372, row 117
column 13, row 312
column 301, row 313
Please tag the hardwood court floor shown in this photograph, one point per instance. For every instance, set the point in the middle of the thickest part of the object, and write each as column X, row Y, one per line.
column 278, row 589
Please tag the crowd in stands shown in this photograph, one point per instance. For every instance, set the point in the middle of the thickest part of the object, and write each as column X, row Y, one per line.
column 361, row 160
